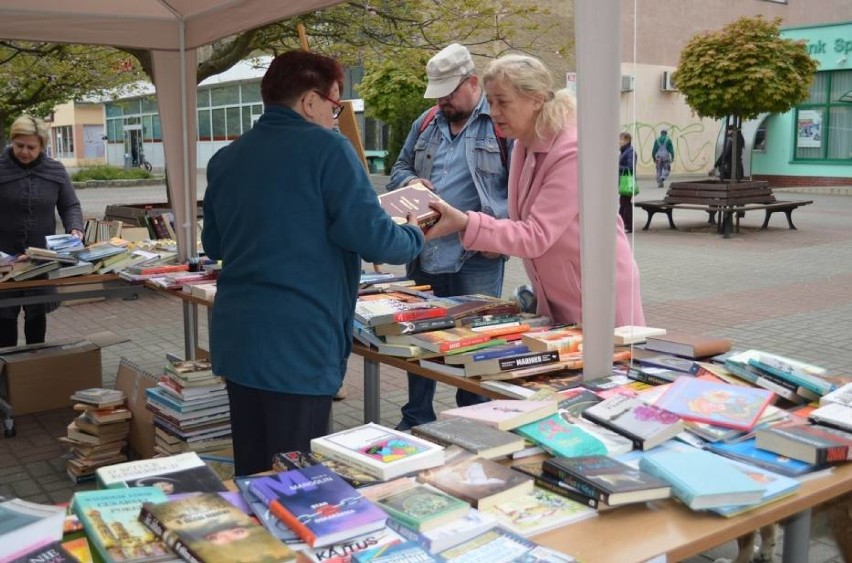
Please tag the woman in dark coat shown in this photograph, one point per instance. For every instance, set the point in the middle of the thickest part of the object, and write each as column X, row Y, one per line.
column 32, row 188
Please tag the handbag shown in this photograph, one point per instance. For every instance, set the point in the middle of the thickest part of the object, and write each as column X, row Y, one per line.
column 627, row 185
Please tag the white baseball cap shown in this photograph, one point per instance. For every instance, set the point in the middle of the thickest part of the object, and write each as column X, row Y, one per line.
column 447, row 69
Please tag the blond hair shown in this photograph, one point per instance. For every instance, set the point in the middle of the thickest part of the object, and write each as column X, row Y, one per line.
column 29, row 125
column 528, row 77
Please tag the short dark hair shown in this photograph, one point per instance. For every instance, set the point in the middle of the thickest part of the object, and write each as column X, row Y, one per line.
column 294, row 72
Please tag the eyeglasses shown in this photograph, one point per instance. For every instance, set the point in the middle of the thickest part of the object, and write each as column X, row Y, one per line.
column 338, row 107
column 453, row 93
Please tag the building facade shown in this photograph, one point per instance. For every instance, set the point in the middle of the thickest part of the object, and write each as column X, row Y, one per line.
column 76, row 134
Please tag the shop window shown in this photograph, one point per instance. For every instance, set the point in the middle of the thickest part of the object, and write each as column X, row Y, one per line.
column 63, row 142
column 204, row 125
column 824, row 121
column 760, row 139
column 113, row 110
column 149, row 105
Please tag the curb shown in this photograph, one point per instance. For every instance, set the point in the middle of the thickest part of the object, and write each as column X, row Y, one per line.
column 155, row 181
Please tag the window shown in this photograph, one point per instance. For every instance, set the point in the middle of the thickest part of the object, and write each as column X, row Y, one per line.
column 824, row 121
column 63, row 142
column 204, row 125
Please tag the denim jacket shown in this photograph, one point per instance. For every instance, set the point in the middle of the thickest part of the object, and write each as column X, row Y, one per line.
column 484, row 161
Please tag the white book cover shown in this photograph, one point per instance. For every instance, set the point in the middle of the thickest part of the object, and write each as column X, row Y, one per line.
column 833, row 414
column 630, row 334
column 380, row 451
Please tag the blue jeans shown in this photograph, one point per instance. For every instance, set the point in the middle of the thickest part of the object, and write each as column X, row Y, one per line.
column 477, row 275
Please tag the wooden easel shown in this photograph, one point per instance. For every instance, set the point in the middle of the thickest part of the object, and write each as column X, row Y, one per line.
column 346, row 121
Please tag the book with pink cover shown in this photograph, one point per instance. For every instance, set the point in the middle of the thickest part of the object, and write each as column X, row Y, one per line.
column 504, row 414
column 721, row 404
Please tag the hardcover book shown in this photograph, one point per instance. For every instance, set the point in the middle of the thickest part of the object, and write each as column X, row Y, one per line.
column 414, row 327
column 345, row 551
column 607, row 479
column 182, row 473
column 471, row 435
column 441, row 341
column 777, row 487
column 666, row 361
column 423, row 508
column 702, row 480
column 564, row 434
column 834, row 415
column 111, row 520
column 379, row 451
column 413, row 198
column 722, row 404
column 479, row 481
column 502, row 350
column 563, row 340
column 375, row 312
column 285, row 461
column 452, row 533
column 646, row 425
column 503, row 414
column 688, row 345
column 747, row 451
column 318, row 505
column 554, row 484
column 625, row 335
column 272, row 523
column 497, row 365
column 801, row 373
column 538, row 511
column 810, row 443
column 207, row 528
column 500, row 545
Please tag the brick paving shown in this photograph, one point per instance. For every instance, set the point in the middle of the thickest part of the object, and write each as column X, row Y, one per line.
column 785, row 291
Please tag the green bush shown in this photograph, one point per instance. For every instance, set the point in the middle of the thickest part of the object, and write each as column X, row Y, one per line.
column 105, row 172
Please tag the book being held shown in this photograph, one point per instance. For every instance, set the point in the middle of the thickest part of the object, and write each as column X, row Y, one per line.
column 413, row 198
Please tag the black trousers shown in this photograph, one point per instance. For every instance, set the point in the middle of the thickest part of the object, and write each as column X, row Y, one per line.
column 264, row 423
column 35, row 329
column 625, row 209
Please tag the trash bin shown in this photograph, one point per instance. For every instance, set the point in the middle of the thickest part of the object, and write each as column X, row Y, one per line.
column 128, row 162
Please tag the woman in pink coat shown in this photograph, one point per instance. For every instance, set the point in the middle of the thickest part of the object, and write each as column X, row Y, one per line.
column 543, row 226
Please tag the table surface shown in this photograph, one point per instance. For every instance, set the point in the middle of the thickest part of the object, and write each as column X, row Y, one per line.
column 72, row 280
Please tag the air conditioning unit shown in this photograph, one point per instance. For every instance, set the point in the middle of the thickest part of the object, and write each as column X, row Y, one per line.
column 666, row 84
column 626, row 83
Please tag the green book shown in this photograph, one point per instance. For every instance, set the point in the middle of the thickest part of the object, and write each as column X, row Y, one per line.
column 423, row 508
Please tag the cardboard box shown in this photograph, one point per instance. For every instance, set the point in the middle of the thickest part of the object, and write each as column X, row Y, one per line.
column 41, row 377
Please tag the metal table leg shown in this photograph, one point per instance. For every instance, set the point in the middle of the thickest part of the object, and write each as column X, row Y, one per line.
column 797, row 534
column 372, row 409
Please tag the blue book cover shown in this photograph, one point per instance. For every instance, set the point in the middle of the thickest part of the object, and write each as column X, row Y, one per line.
column 404, row 552
column 318, row 505
column 747, row 451
column 568, row 435
column 777, row 486
column 702, row 480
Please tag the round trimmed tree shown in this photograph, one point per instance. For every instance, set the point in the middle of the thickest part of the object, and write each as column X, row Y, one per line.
column 743, row 70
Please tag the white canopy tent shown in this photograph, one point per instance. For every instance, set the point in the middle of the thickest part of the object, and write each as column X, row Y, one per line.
column 174, row 29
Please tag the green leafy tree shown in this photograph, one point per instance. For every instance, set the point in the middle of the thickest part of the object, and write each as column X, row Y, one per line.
column 743, row 70
column 35, row 77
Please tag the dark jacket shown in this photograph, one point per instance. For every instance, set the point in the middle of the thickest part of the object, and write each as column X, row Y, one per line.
column 626, row 160
column 290, row 211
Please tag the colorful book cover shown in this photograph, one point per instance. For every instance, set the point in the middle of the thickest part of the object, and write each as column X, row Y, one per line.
column 379, row 451
column 722, row 404
column 79, row 549
column 564, row 434
column 500, row 545
column 449, row 339
column 272, row 523
column 318, row 505
column 284, row 461
column 53, row 552
column 747, row 450
column 182, row 473
column 208, row 528
column 111, row 520
column 423, row 508
column 479, row 481
column 538, row 511
column 646, row 425
column 607, row 479
column 471, row 435
column 452, row 533
column 504, row 414
column 344, row 552
column 405, row 552
column 702, row 480
column 556, row 485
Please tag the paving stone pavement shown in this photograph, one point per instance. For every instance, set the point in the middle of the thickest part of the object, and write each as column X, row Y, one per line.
column 786, row 291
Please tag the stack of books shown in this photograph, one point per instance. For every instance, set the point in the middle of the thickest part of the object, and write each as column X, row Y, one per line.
column 98, row 436
column 191, row 409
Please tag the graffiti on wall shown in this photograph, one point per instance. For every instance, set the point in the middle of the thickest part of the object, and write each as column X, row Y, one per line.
column 694, row 144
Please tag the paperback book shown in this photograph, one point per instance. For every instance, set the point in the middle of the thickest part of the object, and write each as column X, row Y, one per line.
column 379, row 451
column 207, row 528
column 471, row 435
column 777, row 487
column 503, row 414
column 318, row 505
column 268, row 520
column 345, row 551
column 423, row 508
column 747, row 451
column 405, row 552
column 452, row 533
column 646, row 425
column 556, row 485
column 722, row 404
column 182, row 473
column 25, row 525
column 607, row 479
column 285, row 461
column 811, row 443
column 564, row 434
column 500, row 545
column 538, row 511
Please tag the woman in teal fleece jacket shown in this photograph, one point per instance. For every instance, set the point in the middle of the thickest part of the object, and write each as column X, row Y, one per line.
column 290, row 211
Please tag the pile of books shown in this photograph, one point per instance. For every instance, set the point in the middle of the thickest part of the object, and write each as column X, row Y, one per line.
column 97, row 437
column 191, row 410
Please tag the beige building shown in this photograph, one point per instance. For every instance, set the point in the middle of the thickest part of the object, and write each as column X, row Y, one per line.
column 77, row 134
column 653, row 33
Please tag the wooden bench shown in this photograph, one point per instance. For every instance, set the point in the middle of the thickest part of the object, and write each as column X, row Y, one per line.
column 728, row 213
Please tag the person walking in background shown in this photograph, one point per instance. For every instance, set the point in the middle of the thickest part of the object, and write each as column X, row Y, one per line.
column 543, row 227
column 663, row 155
column 626, row 167
column 455, row 150
column 33, row 188
column 291, row 212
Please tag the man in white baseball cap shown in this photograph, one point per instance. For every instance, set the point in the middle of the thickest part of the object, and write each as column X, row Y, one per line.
column 455, row 150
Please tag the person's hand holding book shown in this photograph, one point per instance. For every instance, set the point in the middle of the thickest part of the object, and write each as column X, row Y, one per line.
column 452, row 220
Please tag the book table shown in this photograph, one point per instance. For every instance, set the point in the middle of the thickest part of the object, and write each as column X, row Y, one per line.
column 65, row 289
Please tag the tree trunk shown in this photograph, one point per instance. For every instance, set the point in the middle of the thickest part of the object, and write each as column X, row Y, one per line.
column 2, row 129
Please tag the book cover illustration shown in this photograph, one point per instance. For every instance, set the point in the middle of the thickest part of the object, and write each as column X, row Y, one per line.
column 405, row 552
column 608, row 479
column 318, row 505
column 538, row 511
column 54, row 552
column 111, row 520
column 646, row 425
column 747, row 450
column 423, row 508
column 447, row 535
column 208, row 528
column 500, row 545
column 344, row 552
column 285, row 461
column 182, row 473
column 480, row 481
column 722, row 404
column 564, row 434
column 272, row 523
column 554, row 484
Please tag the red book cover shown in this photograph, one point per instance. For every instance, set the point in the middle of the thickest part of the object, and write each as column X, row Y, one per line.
column 451, row 339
